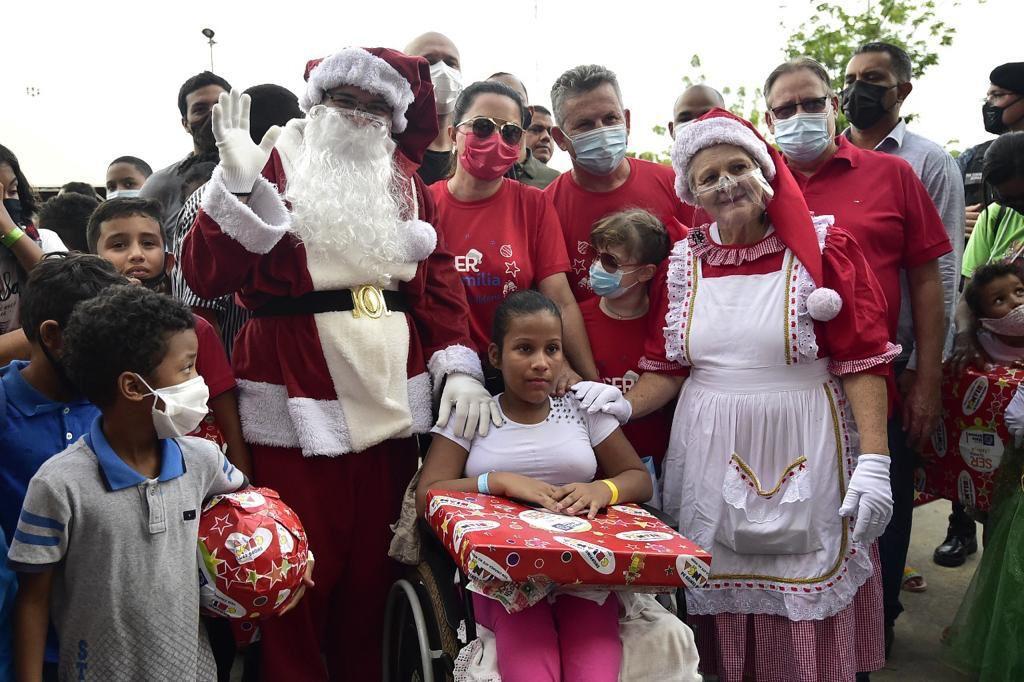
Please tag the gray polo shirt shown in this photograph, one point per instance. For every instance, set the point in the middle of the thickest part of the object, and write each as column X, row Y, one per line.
column 165, row 186
column 125, row 596
column 940, row 175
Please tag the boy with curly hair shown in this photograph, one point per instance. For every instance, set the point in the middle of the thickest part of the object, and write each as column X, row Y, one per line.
column 109, row 526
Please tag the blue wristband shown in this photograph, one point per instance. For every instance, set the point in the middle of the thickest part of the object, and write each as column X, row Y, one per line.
column 481, row 483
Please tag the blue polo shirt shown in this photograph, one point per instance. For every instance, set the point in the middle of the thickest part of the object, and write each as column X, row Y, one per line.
column 35, row 429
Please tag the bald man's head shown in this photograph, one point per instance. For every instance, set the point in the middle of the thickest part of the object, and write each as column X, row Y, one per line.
column 435, row 47
column 512, row 82
column 695, row 101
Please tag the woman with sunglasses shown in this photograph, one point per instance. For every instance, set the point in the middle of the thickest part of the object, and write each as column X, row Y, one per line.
column 771, row 330
column 505, row 235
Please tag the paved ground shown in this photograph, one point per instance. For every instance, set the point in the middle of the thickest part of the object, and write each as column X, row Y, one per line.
column 915, row 652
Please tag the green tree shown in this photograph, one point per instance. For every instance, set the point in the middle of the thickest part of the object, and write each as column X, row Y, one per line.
column 832, row 34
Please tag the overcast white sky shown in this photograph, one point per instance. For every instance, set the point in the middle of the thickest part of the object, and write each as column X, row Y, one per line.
column 107, row 75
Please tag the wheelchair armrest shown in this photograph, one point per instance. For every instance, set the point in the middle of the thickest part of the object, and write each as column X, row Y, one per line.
column 660, row 515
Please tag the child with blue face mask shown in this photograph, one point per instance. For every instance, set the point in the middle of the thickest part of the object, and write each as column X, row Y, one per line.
column 630, row 245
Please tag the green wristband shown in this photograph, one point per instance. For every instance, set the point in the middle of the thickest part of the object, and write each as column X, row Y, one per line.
column 11, row 237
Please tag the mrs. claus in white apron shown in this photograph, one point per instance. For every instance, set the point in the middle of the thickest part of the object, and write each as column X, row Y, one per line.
column 774, row 327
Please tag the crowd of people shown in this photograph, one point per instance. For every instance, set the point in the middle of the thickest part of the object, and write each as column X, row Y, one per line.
column 379, row 288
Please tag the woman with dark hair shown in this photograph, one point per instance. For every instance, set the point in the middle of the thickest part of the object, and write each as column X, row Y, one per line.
column 505, row 235
column 998, row 234
column 19, row 240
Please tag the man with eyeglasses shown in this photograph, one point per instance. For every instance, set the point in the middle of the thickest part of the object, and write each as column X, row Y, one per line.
column 878, row 81
column 880, row 200
column 324, row 231
column 528, row 170
column 592, row 126
column 1002, row 111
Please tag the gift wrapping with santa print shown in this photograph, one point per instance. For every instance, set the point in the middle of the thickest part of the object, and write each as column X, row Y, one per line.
column 494, row 539
column 960, row 460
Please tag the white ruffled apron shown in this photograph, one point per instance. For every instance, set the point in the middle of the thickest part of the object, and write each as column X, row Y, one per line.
column 761, row 451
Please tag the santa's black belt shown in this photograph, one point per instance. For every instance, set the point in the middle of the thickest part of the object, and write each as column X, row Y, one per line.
column 365, row 301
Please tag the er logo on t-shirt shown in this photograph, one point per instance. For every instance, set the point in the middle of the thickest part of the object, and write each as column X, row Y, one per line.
column 469, row 262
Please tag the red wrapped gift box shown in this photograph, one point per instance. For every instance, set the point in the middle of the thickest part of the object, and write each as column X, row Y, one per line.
column 496, row 539
column 964, row 452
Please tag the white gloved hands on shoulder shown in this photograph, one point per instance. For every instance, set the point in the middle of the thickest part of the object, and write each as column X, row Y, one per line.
column 475, row 409
column 596, row 396
column 869, row 498
column 241, row 159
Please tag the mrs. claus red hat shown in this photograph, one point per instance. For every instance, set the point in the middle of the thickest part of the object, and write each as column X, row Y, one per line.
column 402, row 80
column 787, row 210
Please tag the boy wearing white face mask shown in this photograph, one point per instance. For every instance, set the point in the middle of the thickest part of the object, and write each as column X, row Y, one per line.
column 109, row 527
column 630, row 245
column 995, row 296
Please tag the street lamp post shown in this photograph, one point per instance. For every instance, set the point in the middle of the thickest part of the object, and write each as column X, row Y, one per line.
column 208, row 32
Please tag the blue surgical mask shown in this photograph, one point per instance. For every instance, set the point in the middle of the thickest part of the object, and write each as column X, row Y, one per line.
column 803, row 137
column 600, row 151
column 123, row 194
column 608, row 284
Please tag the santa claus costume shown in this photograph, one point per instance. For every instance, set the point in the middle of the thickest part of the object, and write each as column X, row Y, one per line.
column 358, row 315
column 763, row 442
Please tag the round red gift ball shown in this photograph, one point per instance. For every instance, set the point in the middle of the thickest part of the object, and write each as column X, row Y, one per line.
column 252, row 554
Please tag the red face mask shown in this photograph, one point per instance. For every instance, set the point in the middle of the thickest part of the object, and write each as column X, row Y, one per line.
column 487, row 158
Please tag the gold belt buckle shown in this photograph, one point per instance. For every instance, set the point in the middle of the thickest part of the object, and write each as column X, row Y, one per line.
column 368, row 301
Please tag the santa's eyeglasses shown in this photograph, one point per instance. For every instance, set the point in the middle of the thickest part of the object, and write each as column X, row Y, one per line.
column 484, row 127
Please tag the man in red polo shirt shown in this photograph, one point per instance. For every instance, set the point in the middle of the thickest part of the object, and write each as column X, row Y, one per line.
column 592, row 126
column 880, row 200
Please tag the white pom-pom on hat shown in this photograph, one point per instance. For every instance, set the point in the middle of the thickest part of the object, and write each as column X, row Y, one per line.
column 823, row 304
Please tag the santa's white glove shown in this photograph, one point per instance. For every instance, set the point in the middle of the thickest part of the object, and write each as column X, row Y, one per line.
column 595, row 396
column 475, row 409
column 1014, row 416
column 241, row 159
column 869, row 498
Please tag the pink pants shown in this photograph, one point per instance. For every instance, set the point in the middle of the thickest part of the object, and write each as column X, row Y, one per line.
column 573, row 640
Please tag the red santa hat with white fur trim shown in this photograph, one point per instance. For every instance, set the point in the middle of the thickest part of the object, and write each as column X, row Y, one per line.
column 787, row 211
column 402, row 80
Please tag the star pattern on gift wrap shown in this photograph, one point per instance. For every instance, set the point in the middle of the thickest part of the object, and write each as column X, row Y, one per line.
column 220, row 524
column 238, row 575
column 632, row 547
column 219, row 566
column 252, row 577
column 659, row 548
column 537, row 543
column 279, row 572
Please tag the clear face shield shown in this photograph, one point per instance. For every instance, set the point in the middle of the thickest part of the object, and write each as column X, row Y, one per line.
column 729, row 189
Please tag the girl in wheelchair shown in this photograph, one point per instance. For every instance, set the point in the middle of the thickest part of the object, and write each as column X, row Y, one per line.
column 547, row 453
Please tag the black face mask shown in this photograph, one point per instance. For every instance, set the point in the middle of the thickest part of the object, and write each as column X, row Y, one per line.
column 993, row 118
column 157, row 284
column 862, row 103
column 13, row 207
column 202, row 134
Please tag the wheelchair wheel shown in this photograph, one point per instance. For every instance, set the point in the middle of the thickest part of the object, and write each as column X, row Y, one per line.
column 442, row 634
column 407, row 653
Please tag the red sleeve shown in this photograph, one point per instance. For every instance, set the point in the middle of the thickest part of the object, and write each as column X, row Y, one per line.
column 654, row 358
column 549, row 254
column 229, row 238
column 438, row 300
column 924, row 235
column 211, row 361
column 857, row 339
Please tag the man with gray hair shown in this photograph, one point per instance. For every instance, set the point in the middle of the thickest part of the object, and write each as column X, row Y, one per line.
column 880, row 200
column 592, row 126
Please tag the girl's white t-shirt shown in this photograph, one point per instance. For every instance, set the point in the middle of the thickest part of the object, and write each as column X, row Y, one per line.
column 558, row 450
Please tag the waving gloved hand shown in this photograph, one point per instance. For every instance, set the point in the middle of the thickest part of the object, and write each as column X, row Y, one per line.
column 475, row 409
column 595, row 396
column 241, row 159
column 869, row 498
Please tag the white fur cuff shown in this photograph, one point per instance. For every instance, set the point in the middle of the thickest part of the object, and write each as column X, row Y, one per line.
column 257, row 226
column 454, row 359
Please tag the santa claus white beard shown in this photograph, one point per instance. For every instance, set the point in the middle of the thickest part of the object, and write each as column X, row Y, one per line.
column 346, row 192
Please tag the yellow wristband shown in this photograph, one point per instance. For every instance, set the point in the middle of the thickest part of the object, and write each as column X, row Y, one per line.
column 614, row 489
